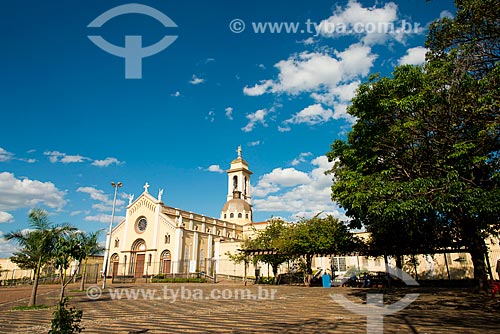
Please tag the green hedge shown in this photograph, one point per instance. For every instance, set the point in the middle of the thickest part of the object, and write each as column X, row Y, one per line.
column 178, row 280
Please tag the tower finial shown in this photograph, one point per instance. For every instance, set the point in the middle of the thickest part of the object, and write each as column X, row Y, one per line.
column 239, row 151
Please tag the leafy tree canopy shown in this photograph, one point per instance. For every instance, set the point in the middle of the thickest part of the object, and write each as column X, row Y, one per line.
column 420, row 168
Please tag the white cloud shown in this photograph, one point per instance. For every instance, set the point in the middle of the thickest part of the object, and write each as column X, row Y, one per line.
column 5, row 155
column 308, row 41
column 210, row 116
column 73, row 159
column 372, row 25
column 309, row 194
column 196, row 80
column 229, row 112
column 30, row 161
column 6, row 247
column 262, row 66
column 311, row 115
column 284, row 128
column 104, row 218
column 279, row 178
column 253, row 118
column 16, row 193
column 75, row 213
column 254, row 143
column 6, row 217
column 105, row 200
column 214, row 169
column 329, row 76
column 106, row 162
column 446, row 13
column 414, row 56
column 56, row 156
column 258, row 89
column 176, row 94
column 301, row 158
column 102, row 207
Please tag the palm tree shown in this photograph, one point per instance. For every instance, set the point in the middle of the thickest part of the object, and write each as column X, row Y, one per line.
column 37, row 245
column 90, row 245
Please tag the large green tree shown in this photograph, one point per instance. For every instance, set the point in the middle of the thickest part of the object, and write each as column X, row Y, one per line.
column 37, row 245
column 420, row 168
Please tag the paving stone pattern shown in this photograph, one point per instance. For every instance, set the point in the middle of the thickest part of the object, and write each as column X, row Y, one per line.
column 295, row 309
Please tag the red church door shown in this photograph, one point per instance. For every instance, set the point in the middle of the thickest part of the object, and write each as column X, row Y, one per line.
column 139, row 265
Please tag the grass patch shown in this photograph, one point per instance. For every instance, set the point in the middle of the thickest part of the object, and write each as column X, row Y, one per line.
column 29, row 308
column 178, row 280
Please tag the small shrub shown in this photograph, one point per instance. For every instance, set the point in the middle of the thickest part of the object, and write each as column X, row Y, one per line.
column 66, row 320
column 266, row 280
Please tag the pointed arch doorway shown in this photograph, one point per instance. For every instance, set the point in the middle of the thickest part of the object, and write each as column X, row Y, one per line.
column 114, row 265
column 138, row 258
column 165, row 262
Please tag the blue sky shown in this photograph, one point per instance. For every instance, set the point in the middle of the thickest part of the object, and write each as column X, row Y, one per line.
column 71, row 122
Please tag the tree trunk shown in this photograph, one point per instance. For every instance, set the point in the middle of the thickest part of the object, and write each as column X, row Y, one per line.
column 32, row 301
column 63, row 285
column 84, row 276
column 477, row 252
column 275, row 272
column 399, row 261
column 308, row 264
column 308, row 276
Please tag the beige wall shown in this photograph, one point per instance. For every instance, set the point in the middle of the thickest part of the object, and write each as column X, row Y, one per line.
column 10, row 270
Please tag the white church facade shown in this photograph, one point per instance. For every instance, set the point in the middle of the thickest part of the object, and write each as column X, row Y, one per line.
column 155, row 238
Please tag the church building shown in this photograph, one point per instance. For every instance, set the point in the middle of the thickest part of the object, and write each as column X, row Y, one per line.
column 155, row 238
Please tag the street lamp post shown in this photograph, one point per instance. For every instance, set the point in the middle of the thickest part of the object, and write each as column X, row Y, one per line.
column 108, row 246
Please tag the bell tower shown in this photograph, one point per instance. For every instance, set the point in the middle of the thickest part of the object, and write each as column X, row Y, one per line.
column 239, row 178
column 238, row 208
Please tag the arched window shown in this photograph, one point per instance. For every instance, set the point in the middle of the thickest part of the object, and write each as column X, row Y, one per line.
column 231, row 215
column 239, row 215
column 117, row 242
column 245, row 186
column 235, row 182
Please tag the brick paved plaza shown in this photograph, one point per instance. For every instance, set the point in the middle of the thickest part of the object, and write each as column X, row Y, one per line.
column 213, row 308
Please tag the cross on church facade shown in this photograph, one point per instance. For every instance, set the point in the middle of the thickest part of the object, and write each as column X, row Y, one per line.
column 239, row 151
column 146, row 186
